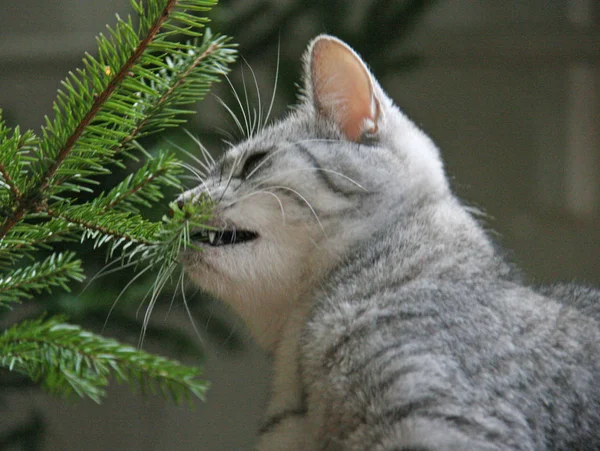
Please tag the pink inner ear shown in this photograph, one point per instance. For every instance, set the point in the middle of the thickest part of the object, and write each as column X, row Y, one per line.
column 342, row 88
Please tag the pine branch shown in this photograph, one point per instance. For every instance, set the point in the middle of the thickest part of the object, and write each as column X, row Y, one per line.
column 56, row 270
column 130, row 90
column 106, row 226
column 6, row 151
column 139, row 84
column 192, row 68
column 101, row 98
column 9, row 181
column 174, row 233
column 66, row 358
column 11, row 221
column 24, row 240
column 14, row 161
column 144, row 186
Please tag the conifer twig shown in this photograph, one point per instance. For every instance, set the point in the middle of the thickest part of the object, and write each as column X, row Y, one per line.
column 139, row 84
column 104, row 95
column 88, row 225
column 12, row 219
column 33, row 202
column 211, row 48
column 9, row 181
column 134, row 189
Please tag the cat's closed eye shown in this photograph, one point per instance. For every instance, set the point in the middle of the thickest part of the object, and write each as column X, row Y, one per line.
column 252, row 163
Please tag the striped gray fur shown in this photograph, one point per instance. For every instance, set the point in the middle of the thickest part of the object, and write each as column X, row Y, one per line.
column 393, row 321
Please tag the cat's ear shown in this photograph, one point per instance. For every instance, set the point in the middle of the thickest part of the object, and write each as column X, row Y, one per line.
column 342, row 87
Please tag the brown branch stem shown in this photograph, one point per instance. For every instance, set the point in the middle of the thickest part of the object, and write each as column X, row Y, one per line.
column 95, row 227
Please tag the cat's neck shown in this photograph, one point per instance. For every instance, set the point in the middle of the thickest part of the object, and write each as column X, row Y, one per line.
column 440, row 239
column 454, row 244
column 269, row 318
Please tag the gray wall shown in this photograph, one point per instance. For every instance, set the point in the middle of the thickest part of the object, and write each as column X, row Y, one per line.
column 511, row 93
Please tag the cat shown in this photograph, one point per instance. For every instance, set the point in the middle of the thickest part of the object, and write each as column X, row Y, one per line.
column 392, row 320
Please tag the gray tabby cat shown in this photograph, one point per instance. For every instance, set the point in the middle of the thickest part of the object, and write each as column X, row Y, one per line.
column 392, row 321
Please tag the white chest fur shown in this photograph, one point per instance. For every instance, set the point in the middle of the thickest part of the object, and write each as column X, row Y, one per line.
column 286, row 418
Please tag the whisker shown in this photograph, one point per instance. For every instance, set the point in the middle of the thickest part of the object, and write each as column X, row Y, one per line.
column 287, row 188
column 157, row 288
column 199, row 176
column 234, row 167
column 189, row 177
column 202, row 147
column 114, row 304
column 275, row 83
column 254, row 193
column 195, row 292
column 258, row 115
column 189, row 154
column 232, row 114
column 172, row 300
column 203, row 151
column 210, row 315
column 103, row 271
column 237, row 97
column 228, row 143
column 250, row 118
column 187, row 309
column 226, row 134
column 233, row 328
column 255, row 121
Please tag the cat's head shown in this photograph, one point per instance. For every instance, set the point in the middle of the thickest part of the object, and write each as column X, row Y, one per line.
column 297, row 196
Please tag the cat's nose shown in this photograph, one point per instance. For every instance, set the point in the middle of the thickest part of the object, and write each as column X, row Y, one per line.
column 180, row 203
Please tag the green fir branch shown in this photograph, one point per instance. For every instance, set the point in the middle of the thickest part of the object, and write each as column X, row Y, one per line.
column 186, row 79
column 136, row 85
column 24, row 239
column 104, row 226
column 15, row 148
column 55, row 271
column 121, row 90
column 140, row 82
column 174, row 234
column 66, row 359
column 98, row 84
column 144, row 186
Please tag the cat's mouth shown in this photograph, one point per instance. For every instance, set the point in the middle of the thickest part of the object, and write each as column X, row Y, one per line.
column 223, row 237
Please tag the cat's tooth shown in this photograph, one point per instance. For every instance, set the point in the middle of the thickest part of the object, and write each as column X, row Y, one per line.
column 212, row 237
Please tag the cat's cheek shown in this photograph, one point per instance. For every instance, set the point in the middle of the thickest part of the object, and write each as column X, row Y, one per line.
column 196, row 267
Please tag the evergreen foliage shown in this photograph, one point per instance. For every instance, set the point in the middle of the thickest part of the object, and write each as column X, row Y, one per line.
column 140, row 83
column 66, row 358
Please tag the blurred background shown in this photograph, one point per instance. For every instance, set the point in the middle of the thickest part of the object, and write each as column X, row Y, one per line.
column 509, row 90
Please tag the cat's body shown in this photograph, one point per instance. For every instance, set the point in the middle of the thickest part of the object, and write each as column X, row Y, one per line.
column 392, row 322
